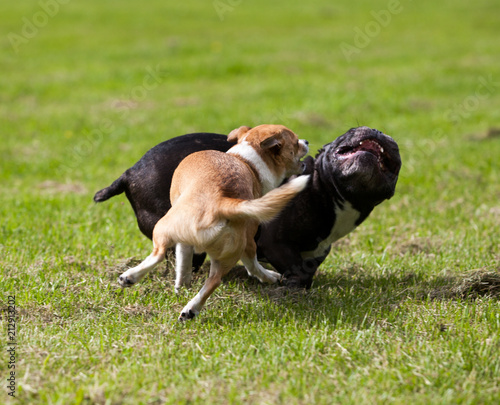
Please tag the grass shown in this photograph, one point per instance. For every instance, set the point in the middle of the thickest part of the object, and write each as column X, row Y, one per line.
column 405, row 309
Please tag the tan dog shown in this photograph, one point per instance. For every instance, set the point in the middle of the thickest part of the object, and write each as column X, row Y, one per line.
column 218, row 200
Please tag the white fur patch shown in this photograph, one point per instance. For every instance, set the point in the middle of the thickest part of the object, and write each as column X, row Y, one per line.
column 303, row 142
column 345, row 222
column 268, row 179
column 207, row 235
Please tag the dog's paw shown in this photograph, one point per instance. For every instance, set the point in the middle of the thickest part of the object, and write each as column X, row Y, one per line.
column 186, row 315
column 125, row 281
column 271, row 277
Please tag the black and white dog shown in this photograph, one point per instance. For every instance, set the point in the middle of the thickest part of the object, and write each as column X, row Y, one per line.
column 348, row 178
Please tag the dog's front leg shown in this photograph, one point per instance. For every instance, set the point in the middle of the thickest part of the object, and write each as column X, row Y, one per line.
column 183, row 265
column 255, row 269
column 250, row 262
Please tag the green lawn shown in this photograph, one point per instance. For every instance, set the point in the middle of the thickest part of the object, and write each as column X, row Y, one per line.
column 404, row 310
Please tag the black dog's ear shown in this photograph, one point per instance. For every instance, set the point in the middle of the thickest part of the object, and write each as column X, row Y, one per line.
column 274, row 143
column 236, row 134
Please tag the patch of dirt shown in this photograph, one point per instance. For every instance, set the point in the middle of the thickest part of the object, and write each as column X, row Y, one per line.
column 44, row 313
column 492, row 133
column 54, row 187
column 136, row 309
column 477, row 283
column 419, row 245
column 186, row 101
column 277, row 293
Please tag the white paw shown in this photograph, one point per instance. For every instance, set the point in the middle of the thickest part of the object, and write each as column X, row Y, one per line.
column 255, row 269
column 126, row 281
column 271, row 277
column 187, row 313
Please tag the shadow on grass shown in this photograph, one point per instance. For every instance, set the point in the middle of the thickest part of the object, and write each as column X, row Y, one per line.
column 350, row 295
column 355, row 296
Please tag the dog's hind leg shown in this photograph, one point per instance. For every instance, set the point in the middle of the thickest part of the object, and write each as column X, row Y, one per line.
column 218, row 270
column 161, row 242
column 137, row 273
column 183, row 265
column 254, row 268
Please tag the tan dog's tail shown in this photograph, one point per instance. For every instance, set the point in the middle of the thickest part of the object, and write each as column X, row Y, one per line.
column 267, row 207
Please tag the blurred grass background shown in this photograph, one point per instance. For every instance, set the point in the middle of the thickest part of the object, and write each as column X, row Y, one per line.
column 87, row 87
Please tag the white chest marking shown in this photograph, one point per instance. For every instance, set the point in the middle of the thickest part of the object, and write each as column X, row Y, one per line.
column 345, row 222
column 268, row 179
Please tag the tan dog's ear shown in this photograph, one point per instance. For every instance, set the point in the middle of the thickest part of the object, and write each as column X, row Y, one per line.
column 237, row 133
column 273, row 142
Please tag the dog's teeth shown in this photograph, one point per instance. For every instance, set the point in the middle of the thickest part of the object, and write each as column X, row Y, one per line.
column 381, row 149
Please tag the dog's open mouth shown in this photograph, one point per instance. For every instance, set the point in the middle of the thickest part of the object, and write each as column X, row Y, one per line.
column 371, row 146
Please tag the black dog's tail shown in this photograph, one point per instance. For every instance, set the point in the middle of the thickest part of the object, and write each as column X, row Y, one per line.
column 116, row 188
